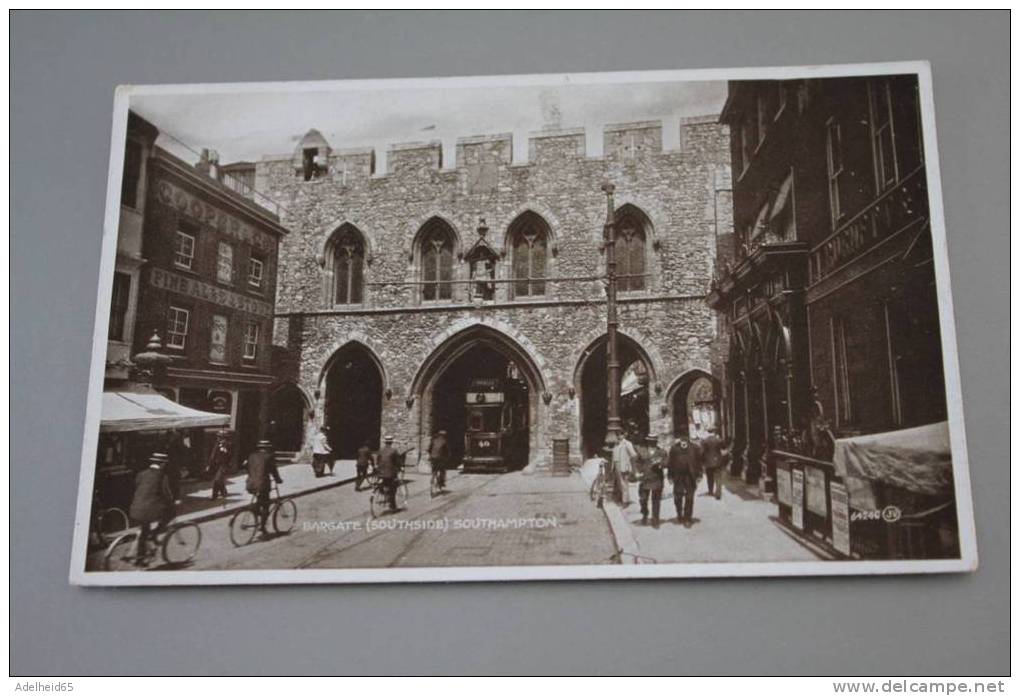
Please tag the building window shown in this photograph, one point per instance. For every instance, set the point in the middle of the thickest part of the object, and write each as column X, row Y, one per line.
column 834, row 150
column 781, row 221
column 529, row 236
column 780, row 99
column 177, row 327
column 841, row 372
column 184, row 252
column 746, row 143
column 251, row 340
column 763, row 117
column 883, row 137
column 119, row 306
column 218, row 340
column 256, row 271
column 437, row 262
column 630, row 249
column 348, row 267
column 132, row 174
column 225, row 263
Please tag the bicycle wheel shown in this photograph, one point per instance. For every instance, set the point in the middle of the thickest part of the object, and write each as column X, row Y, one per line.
column 284, row 516
column 376, row 502
column 121, row 553
column 243, row 527
column 181, row 542
column 434, row 488
column 402, row 494
column 596, row 488
column 112, row 522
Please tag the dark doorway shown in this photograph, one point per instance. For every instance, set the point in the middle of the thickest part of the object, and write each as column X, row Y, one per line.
column 353, row 407
column 634, row 374
column 449, row 407
column 287, row 415
column 695, row 405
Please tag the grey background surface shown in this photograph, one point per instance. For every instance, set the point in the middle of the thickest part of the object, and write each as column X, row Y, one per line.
column 64, row 68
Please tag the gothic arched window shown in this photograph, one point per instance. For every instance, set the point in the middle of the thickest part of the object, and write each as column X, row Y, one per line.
column 630, row 249
column 437, row 261
column 529, row 240
column 348, row 266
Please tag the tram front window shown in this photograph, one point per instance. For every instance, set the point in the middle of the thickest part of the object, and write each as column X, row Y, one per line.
column 483, row 420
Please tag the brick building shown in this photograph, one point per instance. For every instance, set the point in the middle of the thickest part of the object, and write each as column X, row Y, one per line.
column 207, row 287
column 830, row 296
column 409, row 272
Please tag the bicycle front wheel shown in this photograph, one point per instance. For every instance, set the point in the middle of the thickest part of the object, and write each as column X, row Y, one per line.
column 284, row 516
column 180, row 545
column 376, row 502
column 112, row 522
column 243, row 527
column 402, row 494
column 121, row 553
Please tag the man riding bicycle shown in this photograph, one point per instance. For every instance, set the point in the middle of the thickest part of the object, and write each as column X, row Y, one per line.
column 153, row 503
column 439, row 458
column 388, row 466
column 261, row 467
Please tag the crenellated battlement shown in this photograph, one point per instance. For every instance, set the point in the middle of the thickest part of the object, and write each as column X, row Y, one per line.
column 314, row 159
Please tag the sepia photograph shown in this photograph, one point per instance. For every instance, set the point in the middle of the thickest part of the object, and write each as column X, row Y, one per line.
column 562, row 326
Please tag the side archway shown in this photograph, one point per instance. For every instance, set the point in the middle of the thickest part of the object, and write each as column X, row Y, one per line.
column 352, row 391
column 694, row 400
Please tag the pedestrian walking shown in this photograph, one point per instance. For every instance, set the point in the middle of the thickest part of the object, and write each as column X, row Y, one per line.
column 439, row 456
column 322, row 453
column 219, row 464
column 388, row 466
column 261, row 466
column 623, row 466
column 152, row 503
column 684, row 466
column 713, row 456
column 362, row 464
column 651, row 478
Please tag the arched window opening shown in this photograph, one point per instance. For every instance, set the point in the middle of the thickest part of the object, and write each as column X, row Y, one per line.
column 437, row 262
column 630, row 249
column 348, row 267
column 530, row 244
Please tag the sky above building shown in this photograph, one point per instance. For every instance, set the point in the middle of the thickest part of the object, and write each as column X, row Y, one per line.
column 249, row 122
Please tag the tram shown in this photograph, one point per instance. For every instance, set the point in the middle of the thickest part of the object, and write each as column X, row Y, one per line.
column 496, row 432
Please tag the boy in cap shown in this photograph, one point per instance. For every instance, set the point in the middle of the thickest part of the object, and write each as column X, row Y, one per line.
column 388, row 466
column 153, row 502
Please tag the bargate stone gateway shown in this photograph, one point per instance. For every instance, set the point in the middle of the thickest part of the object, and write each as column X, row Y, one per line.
column 397, row 287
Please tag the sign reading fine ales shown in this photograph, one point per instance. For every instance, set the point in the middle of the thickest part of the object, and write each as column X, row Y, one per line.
column 840, row 501
column 208, row 292
column 798, row 498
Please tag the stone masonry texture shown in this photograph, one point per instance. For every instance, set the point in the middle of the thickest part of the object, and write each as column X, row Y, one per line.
column 682, row 193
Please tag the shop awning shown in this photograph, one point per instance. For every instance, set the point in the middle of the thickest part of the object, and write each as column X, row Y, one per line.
column 916, row 459
column 139, row 411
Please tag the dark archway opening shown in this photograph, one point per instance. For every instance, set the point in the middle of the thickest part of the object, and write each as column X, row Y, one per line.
column 695, row 405
column 353, row 406
column 634, row 372
column 482, row 369
column 287, row 417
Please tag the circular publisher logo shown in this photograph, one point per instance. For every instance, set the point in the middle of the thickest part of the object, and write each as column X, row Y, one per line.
column 891, row 513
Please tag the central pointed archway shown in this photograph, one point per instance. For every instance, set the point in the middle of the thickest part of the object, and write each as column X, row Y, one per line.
column 477, row 353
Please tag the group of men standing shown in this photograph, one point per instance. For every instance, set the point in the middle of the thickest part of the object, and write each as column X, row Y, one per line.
column 683, row 465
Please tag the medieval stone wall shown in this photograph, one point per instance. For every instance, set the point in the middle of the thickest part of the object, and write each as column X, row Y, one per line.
column 677, row 190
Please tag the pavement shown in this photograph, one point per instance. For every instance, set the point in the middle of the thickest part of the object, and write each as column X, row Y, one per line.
column 738, row 527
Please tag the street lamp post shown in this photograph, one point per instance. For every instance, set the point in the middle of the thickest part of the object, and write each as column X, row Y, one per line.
column 613, row 424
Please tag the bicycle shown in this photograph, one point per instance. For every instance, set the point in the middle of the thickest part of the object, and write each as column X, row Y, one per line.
column 599, row 486
column 179, row 545
column 436, row 484
column 378, row 502
column 108, row 523
column 245, row 523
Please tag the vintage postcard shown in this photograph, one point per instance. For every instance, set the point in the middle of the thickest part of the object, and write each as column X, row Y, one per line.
column 616, row 325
